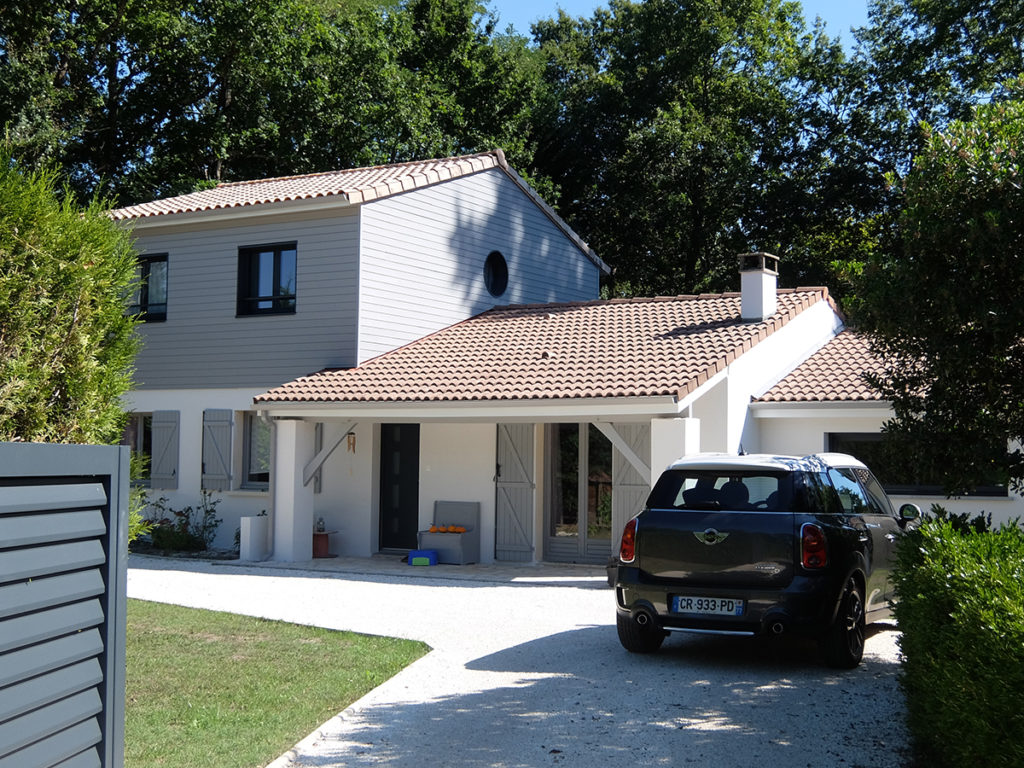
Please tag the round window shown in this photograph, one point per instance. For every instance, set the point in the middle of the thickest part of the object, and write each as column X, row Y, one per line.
column 495, row 273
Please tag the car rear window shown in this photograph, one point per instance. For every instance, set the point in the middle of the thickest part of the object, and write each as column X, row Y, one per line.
column 738, row 491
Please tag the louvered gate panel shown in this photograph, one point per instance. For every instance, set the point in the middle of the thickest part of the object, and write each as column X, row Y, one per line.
column 62, row 581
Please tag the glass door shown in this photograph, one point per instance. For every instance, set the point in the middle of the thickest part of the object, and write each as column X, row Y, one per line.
column 579, row 498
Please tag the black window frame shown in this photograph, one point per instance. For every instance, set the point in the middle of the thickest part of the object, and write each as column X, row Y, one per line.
column 146, row 311
column 496, row 274
column 280, row 303
column 846, row 442
column 251, row 422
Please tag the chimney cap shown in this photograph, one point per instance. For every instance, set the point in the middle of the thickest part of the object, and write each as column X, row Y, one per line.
column 759, row 261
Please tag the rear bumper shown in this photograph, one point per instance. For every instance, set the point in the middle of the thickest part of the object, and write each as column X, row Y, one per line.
column 806, row 605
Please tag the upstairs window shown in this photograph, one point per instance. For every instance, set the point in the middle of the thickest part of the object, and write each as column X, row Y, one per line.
column 149, row 302
column 266, row 279
column 496, row 274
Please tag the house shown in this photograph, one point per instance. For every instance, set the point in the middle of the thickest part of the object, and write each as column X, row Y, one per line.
column 356, row 346
column 250, row 285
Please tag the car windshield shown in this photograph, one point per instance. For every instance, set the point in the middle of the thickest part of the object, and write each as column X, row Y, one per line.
column 737, row 490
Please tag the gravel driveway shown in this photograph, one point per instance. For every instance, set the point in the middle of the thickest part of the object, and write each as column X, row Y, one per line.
column 529, row 672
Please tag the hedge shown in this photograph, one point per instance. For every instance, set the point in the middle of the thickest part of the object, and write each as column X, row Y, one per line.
column 961, row 615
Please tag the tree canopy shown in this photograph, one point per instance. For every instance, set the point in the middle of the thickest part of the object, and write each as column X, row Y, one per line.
column 66, row 344
column 942, row 302
column 671, row 134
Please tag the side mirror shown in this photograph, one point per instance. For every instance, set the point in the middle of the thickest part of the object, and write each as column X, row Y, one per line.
column 909, row 512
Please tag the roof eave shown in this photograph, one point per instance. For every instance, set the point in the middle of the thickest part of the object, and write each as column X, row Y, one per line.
column 813, row 409
column 548, row 211
column 521, row 410
column 234, row 213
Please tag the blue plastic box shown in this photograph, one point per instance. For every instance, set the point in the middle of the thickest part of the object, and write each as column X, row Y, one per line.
column 423, row 557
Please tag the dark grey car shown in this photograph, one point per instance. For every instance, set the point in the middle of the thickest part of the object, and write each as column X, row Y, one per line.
column 760, row 544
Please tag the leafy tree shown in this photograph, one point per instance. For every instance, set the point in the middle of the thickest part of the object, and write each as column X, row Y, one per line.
column 151, row 99
column 685, row 133
column 66, row 345
column 943, row 305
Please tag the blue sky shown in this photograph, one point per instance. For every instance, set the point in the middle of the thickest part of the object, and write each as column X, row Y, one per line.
column 839, row 15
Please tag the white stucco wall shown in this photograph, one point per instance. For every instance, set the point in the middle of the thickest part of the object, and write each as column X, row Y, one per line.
column 457, row 463
column 347, row 500
column 803, row 435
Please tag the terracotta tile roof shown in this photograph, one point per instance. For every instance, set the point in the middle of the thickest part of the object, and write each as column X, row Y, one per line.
column 618, row 348
column 356, row 185
column 833, row 373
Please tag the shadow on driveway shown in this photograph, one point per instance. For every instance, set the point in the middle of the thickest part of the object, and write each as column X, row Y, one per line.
column 578, row 698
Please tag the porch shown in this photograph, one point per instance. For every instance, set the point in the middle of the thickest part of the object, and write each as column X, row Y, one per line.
column 548, row 491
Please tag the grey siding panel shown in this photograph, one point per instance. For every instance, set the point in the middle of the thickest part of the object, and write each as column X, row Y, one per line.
column 18, row 564
column 88, row 759
column 24, row 697
column 203, row 344
column 20, row 531
column 53, row 718
column 45, row 625
column 62, row 605
column 423, row 256
column 72, row 747
column 31, row 661
column 26, row 498
column 37, row 594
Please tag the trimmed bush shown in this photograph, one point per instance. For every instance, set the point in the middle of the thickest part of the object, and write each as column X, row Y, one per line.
column 961, row 614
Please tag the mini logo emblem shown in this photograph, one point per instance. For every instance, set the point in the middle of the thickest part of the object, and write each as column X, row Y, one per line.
column 710, row 536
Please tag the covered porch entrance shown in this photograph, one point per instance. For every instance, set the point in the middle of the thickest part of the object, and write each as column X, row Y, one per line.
column 549, row 489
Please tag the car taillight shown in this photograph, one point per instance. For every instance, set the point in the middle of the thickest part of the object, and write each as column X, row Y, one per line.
column 813, row 552
column 627, row 548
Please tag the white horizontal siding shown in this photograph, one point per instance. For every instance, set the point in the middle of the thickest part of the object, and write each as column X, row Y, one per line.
column 423, row 256
column 203, row 344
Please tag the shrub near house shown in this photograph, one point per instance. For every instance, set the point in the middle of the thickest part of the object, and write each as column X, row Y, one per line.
column 961, row 614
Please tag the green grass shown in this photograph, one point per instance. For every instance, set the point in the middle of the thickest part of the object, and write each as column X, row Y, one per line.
column 226, row 691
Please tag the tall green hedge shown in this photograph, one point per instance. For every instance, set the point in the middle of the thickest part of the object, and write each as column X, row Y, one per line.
column 66, row 343
column 961, row 614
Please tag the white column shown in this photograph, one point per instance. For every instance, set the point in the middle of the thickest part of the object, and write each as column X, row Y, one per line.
column 670, row 440
column 293, row 501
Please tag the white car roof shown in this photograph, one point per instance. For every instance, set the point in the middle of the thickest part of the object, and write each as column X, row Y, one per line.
column 728, row 461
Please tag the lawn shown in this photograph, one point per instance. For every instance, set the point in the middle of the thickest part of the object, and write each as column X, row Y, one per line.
column 226, row 691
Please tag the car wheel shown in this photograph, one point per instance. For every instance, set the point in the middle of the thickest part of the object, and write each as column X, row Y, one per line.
column 636, row 637
column 843, row 642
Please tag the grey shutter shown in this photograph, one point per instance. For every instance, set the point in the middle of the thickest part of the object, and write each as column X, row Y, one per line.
column 629, row 488
column 62, row 600
column 513, row 535
column 217, row 428
column 163, row 466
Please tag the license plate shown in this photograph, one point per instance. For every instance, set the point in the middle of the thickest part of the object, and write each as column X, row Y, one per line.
column 709, row 606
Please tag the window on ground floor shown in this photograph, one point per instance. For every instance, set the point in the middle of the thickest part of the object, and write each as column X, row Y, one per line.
column 138, row 436
column 896, row 474
column 255, row 452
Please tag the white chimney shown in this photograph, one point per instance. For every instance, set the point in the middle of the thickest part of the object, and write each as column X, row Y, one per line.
column 759, row 273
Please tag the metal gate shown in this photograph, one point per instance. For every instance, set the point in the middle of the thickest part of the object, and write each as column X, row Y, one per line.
column 513, row 535
column 63, row 568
